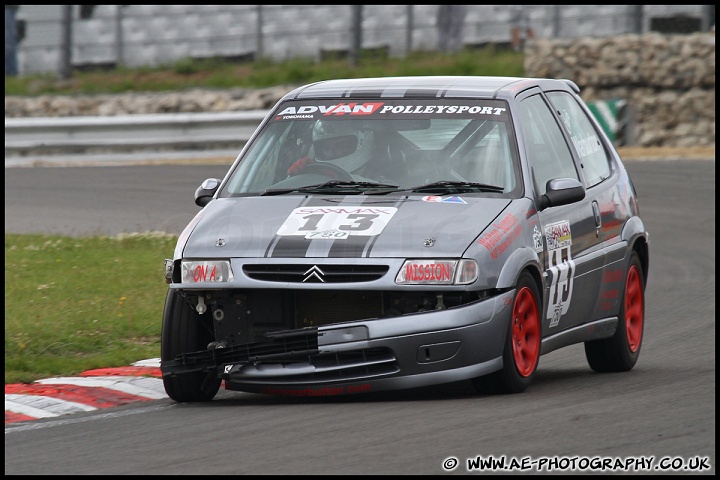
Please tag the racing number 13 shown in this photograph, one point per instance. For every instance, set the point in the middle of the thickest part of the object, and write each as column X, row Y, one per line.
column 360, row 222
column 561, row 285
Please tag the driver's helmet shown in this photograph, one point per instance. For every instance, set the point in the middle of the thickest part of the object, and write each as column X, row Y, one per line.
column 342, row 143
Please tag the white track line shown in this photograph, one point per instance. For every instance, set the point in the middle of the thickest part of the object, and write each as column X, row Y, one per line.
column 150, row 362
column 39, row 406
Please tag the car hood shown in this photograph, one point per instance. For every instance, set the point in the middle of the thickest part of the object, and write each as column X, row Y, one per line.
column 340, row 226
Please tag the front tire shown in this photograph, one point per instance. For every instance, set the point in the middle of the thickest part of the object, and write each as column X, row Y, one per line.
column 522, row 344
column 620, row 352
column 183, row 331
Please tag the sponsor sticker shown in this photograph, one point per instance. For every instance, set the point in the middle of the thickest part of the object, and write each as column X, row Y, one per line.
column 501, row 235
column 438, row 199
column 537, row 239
column 558, row 235
column 398, row 109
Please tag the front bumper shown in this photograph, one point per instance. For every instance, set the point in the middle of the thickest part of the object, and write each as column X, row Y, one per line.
column 408, row 351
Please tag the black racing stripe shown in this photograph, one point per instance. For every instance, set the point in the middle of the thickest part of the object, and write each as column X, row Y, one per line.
column 425, row 93
column 292, row 246
column 351, row 247
column 366, row 93
column 356, row 245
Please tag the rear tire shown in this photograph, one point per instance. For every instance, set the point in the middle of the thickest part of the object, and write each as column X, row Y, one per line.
column 522, row 344
column 183, row 331
column 620, row 352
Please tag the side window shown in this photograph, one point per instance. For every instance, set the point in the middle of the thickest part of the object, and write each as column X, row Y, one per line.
column 549, row 154
column 593, row 157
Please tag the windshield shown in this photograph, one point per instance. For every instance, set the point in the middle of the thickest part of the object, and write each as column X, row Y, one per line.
column 359, row 146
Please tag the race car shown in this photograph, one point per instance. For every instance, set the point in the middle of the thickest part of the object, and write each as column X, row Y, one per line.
column 380, row 234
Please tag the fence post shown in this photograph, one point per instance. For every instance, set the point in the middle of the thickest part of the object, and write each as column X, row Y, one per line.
column 119, row 54
column 356, row 35
column 409, row 29
column 65, row 62
column 259, row 40
column 636, row 18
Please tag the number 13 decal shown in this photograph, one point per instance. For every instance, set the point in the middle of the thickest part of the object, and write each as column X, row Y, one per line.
column 562, row 269
column 355, row 220
column 359, row 222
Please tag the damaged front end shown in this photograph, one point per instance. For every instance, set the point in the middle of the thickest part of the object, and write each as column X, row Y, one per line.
column 284, row 327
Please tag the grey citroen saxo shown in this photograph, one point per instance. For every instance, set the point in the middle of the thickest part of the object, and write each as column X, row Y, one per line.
column 391, row 233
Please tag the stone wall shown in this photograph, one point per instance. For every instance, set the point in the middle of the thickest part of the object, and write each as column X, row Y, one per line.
column 668, row 82
column 190, row 101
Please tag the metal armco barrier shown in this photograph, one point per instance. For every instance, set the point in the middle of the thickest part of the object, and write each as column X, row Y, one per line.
column 123, row 133
column 612, row 115
column 186, row 131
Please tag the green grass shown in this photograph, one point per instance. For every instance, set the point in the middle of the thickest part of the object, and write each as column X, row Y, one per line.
column 219, row 74
column 73, row 304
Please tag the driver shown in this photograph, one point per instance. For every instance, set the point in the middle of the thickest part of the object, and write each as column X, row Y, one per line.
column 339, row 143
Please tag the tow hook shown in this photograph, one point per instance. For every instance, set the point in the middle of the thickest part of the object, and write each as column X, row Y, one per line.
column 201, row 307
column 168, row 270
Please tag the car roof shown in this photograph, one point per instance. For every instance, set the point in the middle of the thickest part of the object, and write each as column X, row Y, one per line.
column 427, row 87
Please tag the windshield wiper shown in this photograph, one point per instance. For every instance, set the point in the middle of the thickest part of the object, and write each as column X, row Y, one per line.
column 344, row 186
column 452, row 186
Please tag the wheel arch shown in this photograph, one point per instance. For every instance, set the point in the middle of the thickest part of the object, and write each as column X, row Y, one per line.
column 639, row 240
column 520, row 260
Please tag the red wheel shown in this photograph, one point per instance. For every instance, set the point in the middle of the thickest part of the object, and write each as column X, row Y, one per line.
column 525, row 332
column 522, row 343
column 620, row 352
column 634, row 309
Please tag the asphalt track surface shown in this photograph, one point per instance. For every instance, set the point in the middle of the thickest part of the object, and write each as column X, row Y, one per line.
column 661, row 412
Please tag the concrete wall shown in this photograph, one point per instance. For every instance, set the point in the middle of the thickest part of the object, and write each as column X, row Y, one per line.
column 153, row 35
column 668, row 82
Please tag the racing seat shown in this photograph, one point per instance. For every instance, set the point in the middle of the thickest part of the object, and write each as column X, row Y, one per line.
column 389, row 162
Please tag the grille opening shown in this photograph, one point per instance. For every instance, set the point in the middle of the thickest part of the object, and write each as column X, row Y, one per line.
column 324, row 273
column 314, row 308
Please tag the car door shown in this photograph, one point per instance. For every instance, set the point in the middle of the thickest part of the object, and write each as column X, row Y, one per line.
column 570, row 256
column 609, row 195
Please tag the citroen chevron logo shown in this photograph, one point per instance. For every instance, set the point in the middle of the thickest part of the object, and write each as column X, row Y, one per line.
column 313, row 272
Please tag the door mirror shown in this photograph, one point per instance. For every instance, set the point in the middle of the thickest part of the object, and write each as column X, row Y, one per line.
column 206, row 191
column 562, row 191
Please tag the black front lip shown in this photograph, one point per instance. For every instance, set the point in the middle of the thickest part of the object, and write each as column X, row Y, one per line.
column 327, row 368
column 287, row 346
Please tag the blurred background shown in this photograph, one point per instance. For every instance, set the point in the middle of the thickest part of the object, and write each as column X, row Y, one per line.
column 646, row 71
column 62, row 38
